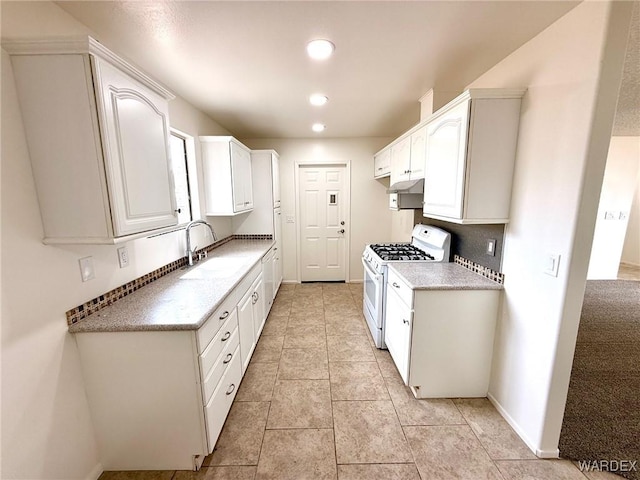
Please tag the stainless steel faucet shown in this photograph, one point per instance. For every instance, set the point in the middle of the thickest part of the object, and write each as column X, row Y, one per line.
column 192, row 251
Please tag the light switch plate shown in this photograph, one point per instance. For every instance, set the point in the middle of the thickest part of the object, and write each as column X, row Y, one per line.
column 290, row 219
column 552, row 264
column 86, row 269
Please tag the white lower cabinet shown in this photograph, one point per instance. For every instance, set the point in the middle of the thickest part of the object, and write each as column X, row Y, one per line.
column 441, row 340
column 268, row 271
column 220, row 403
column 250, row 320
column 398, row 332
column 159, row 399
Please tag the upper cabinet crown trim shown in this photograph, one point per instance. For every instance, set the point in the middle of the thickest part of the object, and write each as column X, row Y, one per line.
column 83, row 45
column 472, row 93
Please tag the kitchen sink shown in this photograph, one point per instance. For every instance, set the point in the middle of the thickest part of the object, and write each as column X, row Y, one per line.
column 216, row 267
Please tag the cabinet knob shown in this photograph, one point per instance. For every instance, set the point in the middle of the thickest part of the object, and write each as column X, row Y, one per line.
column 228, row 359
column 341, row 230
column 178, row 210
column 379, row 168
column 231, row 388
column 405, row 321
column 395, row 285
column 224, row 315
column 226, row 336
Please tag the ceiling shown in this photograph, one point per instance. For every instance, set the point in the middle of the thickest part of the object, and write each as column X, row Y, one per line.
column 244, row 63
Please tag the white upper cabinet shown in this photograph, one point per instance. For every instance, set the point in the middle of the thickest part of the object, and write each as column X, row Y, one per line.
column 470, row 154
column 382, row 163
column 227, row 176
column 401, row 160
column 275, row 177
column 446, row 152
column 98, row 135
column 406, row 156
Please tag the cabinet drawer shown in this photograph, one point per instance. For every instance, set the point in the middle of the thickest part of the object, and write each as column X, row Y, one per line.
column 206, row 333
column 396, row 284
column 214, row 373
column 220, row 403
column 219, row 343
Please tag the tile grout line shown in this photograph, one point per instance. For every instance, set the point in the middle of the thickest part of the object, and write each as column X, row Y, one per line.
column 333, row 417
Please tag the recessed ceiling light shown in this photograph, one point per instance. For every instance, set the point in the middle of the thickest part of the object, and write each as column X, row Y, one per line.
column 320, row 49
column 318, row 127
column 318, row 99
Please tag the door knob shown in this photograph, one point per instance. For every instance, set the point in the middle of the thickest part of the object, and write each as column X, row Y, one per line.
column 342, row 222
column 341, row 230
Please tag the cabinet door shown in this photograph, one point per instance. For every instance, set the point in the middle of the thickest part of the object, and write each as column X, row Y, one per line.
column 258, row 304
column 418, row 148
column 239, row 172
column 246, row 328
column 135, row 124
column 275, row 178
column 397, row 333
column 382, row 164
column 277, row 250
column 401, row 160
column 247, row 179
column 445, row 163
column 268, row 276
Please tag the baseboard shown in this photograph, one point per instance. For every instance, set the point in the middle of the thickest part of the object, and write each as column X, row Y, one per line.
column 539, row 453
column 95, row 472
column 360, row 280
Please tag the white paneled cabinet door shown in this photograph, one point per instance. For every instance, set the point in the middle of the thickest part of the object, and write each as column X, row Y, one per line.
column 418, row 147
column 136, row 131
column 258, row 305
column 268, row 276
column 322, row 223
column 446, row 147
column 241, row 178
column 275, row 179
column 277, row 250
column 401, row 161
column 246, row 328
column 397, row 334
column 382, row 163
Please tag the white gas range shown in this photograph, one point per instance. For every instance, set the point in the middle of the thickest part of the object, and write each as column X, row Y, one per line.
column 428, row 244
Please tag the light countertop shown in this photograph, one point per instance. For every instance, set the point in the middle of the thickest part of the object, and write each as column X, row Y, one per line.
column 441, row 276
column 181, row 300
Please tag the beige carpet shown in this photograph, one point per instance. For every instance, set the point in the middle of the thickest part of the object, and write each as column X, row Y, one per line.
column 602, row 416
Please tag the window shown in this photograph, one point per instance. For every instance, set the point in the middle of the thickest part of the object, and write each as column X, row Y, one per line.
column 183, row 166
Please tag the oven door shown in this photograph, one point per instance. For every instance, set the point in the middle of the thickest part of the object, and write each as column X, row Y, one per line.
column 372, row 303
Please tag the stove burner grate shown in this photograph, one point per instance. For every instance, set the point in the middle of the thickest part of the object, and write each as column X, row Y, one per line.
column 400, row 251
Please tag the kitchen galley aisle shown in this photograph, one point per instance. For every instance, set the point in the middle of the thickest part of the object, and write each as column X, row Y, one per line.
column 319, row 397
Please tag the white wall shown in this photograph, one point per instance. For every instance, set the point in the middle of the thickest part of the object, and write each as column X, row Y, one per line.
column 572, row 71
column 618, row 188
column 370, row 214
column 46, row 427
column 631, row 248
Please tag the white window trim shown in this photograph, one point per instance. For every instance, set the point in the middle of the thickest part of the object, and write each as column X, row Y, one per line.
column 192, row 171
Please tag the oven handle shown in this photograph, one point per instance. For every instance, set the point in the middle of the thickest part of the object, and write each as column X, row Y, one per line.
column 371, row 273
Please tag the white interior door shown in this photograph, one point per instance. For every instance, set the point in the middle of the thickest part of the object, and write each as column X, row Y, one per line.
column 322, row 222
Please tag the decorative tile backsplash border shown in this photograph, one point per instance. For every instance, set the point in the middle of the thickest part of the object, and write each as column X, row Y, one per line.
column 112, row 296
column 479, row 269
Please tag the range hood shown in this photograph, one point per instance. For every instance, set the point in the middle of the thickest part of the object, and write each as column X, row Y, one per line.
column 408, row 186
column 406, row 195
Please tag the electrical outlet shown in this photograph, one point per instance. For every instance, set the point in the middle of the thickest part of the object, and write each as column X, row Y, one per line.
column 491, row 247
column 86, row 269
column 123, row 257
